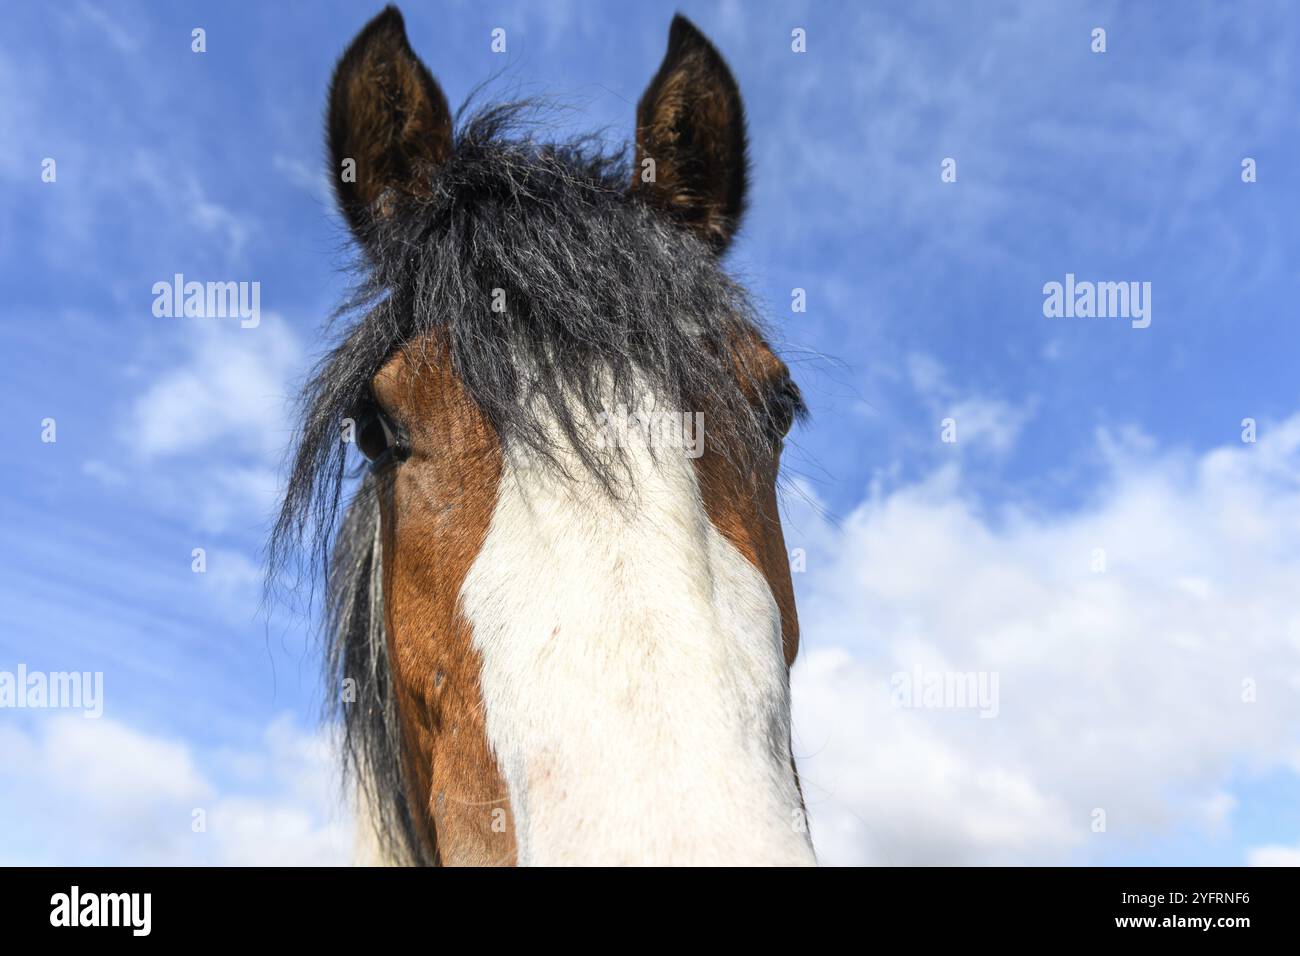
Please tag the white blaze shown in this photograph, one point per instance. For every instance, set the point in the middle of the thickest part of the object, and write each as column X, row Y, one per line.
column 634, row 685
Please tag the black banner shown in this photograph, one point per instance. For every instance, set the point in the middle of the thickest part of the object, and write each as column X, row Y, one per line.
column 333, row 906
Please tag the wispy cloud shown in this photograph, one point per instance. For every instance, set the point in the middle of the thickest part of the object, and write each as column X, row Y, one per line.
column 978, row 422
column 97, row 19
column 228, row 391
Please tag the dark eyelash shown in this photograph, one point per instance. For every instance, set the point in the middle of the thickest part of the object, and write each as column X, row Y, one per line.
column 397, row 446
column 791, row 393
column 784, row 406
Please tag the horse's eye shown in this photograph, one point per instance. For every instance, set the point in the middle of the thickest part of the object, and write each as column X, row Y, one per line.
column 377, row 437
column 784, row 407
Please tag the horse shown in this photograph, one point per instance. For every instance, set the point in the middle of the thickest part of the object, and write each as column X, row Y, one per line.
column 556, row 633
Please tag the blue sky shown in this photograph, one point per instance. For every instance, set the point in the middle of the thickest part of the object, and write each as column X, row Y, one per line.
column 1119, row 691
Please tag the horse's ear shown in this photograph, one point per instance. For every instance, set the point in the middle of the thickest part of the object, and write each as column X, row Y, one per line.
column 690, row 138
column 389, row 126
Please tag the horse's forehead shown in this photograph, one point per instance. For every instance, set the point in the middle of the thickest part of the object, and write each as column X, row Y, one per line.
column 464, row 460
column 418, row 376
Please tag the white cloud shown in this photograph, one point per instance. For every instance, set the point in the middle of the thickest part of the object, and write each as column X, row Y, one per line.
column 222, row 410
column 1119, row 690
column 120, row 767
column 230, row 388
column 102, row 792
column 1274, row 856
column 103, row 472
column 989, row 424
column 983, row 423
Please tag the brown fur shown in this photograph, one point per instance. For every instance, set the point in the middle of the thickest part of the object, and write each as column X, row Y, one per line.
column 744, row 507
column 435, row 517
